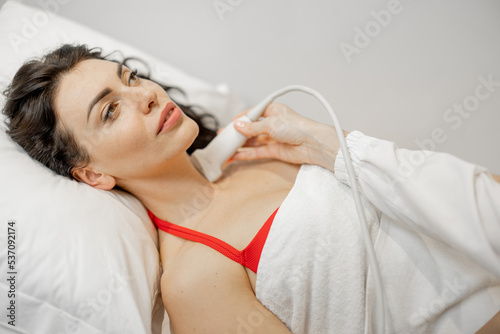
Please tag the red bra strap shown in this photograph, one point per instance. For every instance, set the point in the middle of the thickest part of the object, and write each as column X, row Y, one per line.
column 248, row 257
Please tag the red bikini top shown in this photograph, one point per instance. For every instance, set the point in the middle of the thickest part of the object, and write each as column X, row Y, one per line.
column 248, row 257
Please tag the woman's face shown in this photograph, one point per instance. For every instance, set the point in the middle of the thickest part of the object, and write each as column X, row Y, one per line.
column 115, row 117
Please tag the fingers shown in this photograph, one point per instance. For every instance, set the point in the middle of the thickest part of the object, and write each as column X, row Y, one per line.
column 270, row 151
column 259, row 152
column 262, row 125
column 258, row 141
column 252, row 129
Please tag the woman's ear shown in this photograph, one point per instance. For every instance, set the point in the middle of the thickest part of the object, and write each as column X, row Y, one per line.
column 93, row 178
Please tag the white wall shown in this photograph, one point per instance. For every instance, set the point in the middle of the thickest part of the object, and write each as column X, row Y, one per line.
column 398, row 87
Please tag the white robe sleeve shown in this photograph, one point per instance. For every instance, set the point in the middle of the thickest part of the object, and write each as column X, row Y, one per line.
column 449, row 199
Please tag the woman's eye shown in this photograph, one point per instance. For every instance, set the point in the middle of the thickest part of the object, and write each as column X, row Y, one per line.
column 133, row 77
column 110, row 111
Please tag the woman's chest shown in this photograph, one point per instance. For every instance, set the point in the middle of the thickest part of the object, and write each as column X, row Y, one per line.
column 248, row 196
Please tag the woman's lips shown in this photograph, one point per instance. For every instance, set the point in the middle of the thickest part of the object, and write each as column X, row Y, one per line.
column 166, row 122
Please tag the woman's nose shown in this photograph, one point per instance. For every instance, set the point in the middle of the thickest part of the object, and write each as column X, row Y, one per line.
column 144, row 98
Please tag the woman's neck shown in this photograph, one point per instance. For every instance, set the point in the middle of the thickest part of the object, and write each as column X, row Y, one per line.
column 177, row 193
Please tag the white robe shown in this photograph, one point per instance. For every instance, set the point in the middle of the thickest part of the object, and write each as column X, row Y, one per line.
column 313, row 270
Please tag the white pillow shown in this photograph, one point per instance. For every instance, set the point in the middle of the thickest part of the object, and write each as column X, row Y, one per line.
column 86, row 261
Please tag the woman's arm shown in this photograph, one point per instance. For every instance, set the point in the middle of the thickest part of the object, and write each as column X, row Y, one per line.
column 436, row 193
column 201, row 301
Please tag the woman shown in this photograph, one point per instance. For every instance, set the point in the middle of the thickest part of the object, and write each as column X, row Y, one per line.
column 96, row 121
column 108, row 130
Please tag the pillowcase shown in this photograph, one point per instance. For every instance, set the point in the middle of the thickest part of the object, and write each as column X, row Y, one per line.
column 81, row 260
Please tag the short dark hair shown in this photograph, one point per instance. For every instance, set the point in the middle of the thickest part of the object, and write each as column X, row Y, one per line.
column 32, row 121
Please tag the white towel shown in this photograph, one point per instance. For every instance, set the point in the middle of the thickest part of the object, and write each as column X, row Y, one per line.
column 313, row 269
